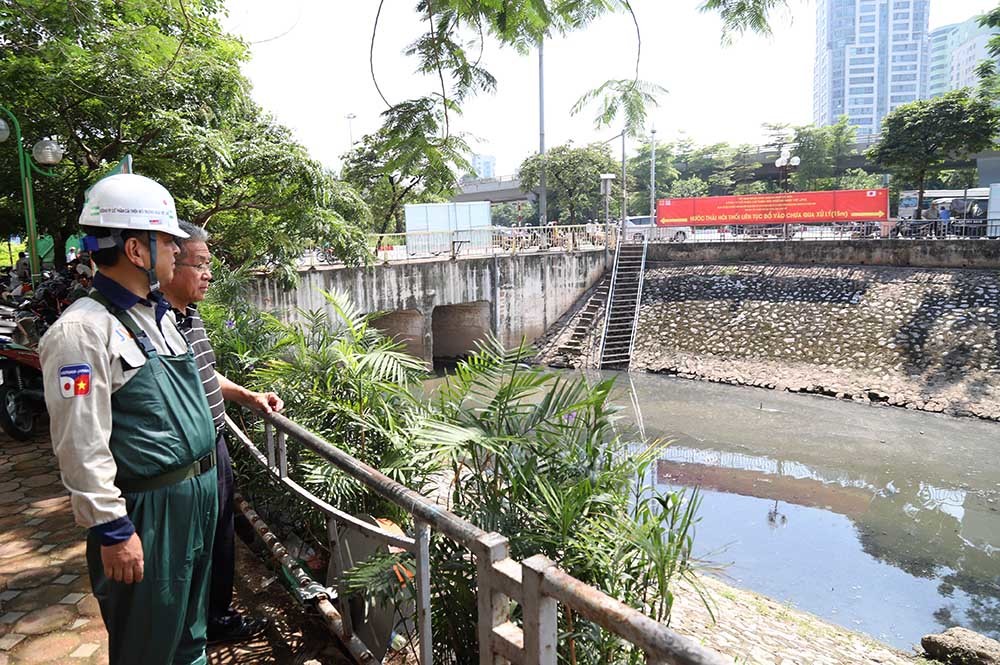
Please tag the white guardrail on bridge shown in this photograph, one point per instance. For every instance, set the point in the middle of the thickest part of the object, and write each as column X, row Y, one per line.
column 487, row 241
column 537, row 584
column 501, row 240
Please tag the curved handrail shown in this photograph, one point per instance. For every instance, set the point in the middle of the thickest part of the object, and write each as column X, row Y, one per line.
column 536, row 583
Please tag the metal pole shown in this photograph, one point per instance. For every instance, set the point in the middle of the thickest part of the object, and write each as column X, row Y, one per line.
column 543, row 216
column 29, row 207
column 652, row 180
column 624, row 185
column 422, row 536
column 350, row 130
column 24, row 166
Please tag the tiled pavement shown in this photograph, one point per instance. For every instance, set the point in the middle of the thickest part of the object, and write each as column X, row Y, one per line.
column 47, row 613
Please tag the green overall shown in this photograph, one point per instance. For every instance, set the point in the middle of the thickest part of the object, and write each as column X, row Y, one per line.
column 161, row 428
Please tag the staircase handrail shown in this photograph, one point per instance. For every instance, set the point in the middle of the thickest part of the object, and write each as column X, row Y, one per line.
column 638, row 299
column 611, row 296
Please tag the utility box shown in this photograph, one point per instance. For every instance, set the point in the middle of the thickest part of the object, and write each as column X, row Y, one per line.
column 424, row 217
column 993, row 212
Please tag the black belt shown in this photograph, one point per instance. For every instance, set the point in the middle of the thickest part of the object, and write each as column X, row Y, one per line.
column 206, row 463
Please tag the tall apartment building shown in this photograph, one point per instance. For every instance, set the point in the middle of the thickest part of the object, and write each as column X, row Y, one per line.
column 955, row 52
column 871, row 56
column 484, row 166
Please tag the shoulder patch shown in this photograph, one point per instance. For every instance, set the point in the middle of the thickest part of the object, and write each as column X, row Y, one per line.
column 74, row 380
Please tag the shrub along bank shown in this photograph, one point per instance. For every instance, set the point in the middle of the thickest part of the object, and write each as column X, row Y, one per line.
column 531, row 454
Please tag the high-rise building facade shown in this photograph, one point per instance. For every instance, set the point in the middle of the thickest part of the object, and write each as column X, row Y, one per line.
column 871, row 56
column 484, row 166
column 955, row 53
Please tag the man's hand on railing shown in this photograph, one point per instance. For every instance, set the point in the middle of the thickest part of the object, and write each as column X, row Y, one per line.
column 266, row 402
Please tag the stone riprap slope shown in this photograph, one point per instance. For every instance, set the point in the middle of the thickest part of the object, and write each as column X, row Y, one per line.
column 919, row 338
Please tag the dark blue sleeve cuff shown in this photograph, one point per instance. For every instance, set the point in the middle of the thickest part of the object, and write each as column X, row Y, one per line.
column 115, row 531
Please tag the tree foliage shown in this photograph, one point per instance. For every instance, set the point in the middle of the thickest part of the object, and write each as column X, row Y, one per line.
column 162, row 82
column 918, row 137
column 573, row 180
column 638, row 169
column 453, row 43
column 408, row 160
column 823, row 152
column 538, row 456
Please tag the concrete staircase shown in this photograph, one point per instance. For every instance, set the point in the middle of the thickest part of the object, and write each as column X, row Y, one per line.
column 623, row 305
column 575, row 345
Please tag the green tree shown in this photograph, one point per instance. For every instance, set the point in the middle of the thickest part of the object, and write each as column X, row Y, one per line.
column 162, row 82
column 453, row 42
column 823, row 152
column 638, row 171
column 859, row 179
column 720, row 166
column 688, row 187
column 519, row 213
column 918, row 137
column 573, row 179
column 406, row 161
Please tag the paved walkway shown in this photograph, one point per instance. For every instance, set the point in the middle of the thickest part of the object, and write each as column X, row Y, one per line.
column 47, row 613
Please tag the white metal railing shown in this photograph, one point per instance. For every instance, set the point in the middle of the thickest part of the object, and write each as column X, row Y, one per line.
column 501, row 240
column 537, row 584
column 876, row 230
column 638, row 297
column 609, row 303
column 486, row 241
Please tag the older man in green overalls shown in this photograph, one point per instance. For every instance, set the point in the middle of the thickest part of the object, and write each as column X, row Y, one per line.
column 133, row 432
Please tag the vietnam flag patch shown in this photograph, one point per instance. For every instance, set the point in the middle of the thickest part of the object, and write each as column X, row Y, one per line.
column 74, row 380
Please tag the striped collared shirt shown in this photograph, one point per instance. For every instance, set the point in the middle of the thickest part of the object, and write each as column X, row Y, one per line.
column 191, row 325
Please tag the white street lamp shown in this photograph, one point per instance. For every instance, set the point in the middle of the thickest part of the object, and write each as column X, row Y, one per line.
column 4, row 130
column 47, row 152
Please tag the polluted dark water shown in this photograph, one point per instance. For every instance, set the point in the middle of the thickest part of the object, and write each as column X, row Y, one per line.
column 881, row 520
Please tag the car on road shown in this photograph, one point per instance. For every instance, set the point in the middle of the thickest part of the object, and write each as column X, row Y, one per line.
column 639, row 227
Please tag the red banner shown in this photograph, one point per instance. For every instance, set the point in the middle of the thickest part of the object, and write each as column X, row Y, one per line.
column 843, row 205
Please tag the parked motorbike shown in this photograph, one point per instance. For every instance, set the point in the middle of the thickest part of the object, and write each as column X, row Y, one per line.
column 22, row 398
column 22, row 324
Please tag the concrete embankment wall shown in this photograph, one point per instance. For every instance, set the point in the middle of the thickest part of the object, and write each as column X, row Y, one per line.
column 456, row 301
column 899, row 253
column 914, row 337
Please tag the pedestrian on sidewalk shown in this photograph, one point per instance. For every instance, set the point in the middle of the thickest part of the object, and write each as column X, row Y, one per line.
column 133, row 432
column 192, row 276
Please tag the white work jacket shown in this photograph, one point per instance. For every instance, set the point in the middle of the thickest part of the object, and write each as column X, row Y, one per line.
column 82, row 358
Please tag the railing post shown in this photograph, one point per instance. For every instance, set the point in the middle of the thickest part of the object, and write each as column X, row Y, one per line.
column 422, row 536
column 335, row 574
column 282, row 456
column 540, row 620
column 269, row 435
column 494, row 607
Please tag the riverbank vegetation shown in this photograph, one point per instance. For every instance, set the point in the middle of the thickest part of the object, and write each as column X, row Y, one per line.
column 535, row 455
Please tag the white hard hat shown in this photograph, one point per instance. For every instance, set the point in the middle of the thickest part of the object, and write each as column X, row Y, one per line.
column 130, row 201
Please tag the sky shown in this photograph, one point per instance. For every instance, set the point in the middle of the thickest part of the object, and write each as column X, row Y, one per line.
column 310, row 68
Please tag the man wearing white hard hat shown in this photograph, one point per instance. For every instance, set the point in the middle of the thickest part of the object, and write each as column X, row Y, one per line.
column 133, row 433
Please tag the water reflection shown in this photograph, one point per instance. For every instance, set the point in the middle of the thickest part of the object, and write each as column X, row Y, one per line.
column 882, row 520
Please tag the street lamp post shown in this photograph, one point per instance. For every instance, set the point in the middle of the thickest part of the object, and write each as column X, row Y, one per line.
column 606, row 180
column 785, row 163
column 47, row 153
column 350, row 130
column 624, row 185
column 652, row 179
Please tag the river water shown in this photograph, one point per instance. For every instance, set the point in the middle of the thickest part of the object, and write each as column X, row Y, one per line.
column 882, row 520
